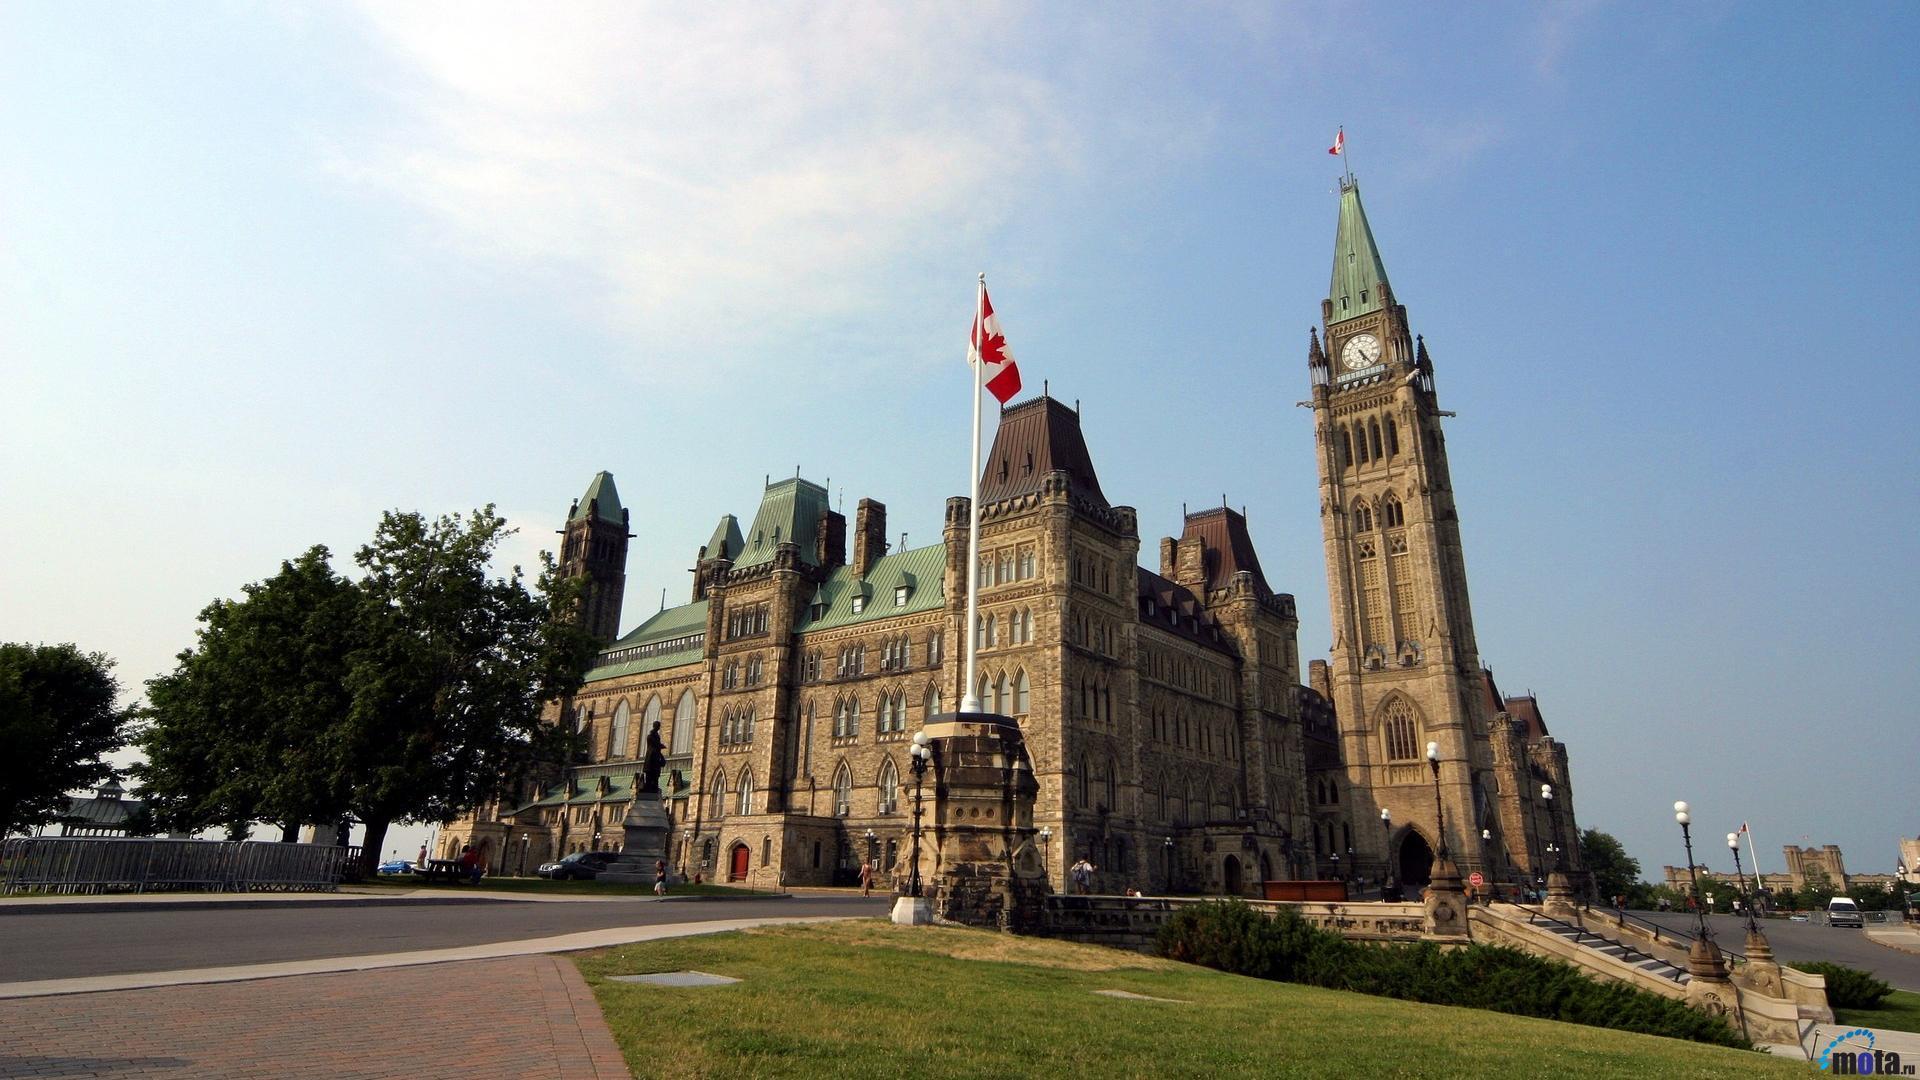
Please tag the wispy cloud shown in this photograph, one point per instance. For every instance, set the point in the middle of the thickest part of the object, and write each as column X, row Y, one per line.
column 705, row 174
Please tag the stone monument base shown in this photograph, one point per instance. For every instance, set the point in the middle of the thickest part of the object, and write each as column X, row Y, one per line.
column 912, row 911
column 646, row 829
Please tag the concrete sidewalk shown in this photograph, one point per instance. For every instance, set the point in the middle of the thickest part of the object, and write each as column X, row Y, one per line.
column 525, row 1016
column 590, row 939
column 1904, row 938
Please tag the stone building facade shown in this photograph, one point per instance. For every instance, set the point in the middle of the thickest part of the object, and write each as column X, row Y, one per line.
column 1173, row 741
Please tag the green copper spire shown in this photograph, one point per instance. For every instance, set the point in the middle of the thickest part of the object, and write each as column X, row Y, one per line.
column 603, row 490
column 1357, row 270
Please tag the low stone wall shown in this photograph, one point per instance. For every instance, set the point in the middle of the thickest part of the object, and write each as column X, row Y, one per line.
column 1131, row 922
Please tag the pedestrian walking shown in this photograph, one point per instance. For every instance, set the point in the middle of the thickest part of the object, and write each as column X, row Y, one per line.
column 866, row 878
column 659, row 877
column 1083, row 875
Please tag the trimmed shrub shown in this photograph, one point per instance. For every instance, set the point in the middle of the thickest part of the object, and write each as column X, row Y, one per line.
column 1232, row 936
column 1848, row 988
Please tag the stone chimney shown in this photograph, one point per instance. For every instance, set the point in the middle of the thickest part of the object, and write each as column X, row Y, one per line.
column 1190, row 564
column 869, row 535
column 1320, row 678
column 1168, row 545
column 831, row 548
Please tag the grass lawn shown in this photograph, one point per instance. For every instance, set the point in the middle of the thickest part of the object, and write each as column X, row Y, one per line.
column 868, row 999
column 559, row 888
column 1899, row 1010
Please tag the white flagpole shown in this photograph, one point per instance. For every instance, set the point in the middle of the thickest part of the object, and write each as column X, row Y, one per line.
column 969, row 699
column 1753, row 855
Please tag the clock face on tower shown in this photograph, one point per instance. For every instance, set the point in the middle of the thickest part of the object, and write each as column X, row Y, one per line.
column 1360, row 351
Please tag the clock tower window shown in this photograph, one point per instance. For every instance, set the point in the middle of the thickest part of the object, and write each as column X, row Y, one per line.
column 1360, row 442
column 1393, row 438
column 1373, row 426
column 1346, row 448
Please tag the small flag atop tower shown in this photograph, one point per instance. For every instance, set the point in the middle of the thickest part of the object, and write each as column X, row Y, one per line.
column 1339, row 142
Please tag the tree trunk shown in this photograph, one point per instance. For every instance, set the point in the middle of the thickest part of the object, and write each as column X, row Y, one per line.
column 290, row 833
column 370, row 847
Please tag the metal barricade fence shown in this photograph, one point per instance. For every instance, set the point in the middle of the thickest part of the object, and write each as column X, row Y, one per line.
column 69, row 864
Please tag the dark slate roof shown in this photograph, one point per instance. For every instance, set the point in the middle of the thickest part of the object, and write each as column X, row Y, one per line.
column 1174, row 609
column 1229, row 548
column 1528, row 709
column 725, row 542
column 100, row 813
column 601, row 500
column 1036, row 437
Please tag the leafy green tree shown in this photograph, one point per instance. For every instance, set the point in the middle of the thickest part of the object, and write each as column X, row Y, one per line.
column 1817, row 890
column 451, row 671
column 1615, row 873
column 238, row 731
column 58, row 721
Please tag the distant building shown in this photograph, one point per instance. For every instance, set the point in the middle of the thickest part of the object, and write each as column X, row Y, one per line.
column 1805, row 862
column 1173, row 741
column 107, row 813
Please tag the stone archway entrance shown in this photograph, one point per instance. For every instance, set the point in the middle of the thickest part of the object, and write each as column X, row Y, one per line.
column 1416, row 861
column 1230, row 870
column 741, row 857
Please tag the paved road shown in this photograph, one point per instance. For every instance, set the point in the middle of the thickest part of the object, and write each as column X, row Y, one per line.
column 1808, row 941
column 57, row 945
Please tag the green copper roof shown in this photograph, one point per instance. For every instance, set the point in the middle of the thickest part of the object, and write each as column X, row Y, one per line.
column 1357, row 270
column 603, row 490
column 789, row 512
column 688, row 621
column 725, row 542
column 923, row 570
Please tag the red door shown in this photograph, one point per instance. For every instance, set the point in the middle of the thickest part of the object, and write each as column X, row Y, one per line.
column 739, row 863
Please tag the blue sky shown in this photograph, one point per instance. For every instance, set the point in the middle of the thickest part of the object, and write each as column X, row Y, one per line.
column 266, row 271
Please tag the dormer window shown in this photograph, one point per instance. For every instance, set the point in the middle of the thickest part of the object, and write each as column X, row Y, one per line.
column 859, row 603
column 1343, row 303
column 900, row 596
column 1363, row 296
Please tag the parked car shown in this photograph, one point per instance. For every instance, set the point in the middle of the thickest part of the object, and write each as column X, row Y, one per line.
column 396, row 866
column 1842, row 911
column 579, row 866
column 1798, row 917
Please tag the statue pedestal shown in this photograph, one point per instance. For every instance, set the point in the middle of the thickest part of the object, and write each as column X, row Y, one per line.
column 986, row 870
column 1446, row 902
column 912, row 911
column 1561, row 901
column 646, row 828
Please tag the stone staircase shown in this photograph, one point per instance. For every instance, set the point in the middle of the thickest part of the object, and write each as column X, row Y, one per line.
column 1606, row 946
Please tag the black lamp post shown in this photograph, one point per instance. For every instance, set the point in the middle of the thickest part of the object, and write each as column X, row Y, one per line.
column 1553, row 824
column 1386, row 876
column 918, row 757
column 1046, row 850
column 1439, row 811
column 1167, row 846
column 1733, row 844
column 872, row 845
column 1686, row 834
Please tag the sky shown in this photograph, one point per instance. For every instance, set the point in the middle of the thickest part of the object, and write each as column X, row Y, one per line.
column 269, row 270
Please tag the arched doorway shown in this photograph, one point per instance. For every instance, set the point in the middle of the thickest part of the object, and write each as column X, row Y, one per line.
column 1266, row 868
column 741, row 856
column 1231, row 870
column 1416, row 861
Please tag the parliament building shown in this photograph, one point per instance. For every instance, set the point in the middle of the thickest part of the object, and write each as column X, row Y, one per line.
column 1177, row 742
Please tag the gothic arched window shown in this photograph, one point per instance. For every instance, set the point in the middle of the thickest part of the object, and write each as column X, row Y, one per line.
column 889, row 787
column 843, row 791
column 1402, row 741
column 1020, row 692
column 622, row 720
column 719, row 795
column 1346, row 448
column 683, row 724
column 1373, row 429
column 746, row 791
column 932, row 704
column 1393, row 437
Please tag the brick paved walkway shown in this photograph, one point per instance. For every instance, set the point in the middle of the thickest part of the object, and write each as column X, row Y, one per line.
column 522, row 1016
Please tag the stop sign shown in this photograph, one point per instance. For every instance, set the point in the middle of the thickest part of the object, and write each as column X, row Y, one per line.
column 1476, row 880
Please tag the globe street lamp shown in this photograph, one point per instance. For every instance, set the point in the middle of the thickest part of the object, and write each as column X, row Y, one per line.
column 871, row 840
column 1733, row 844
column 919, row 755
column 1046, row 849
column 1167, row 846
column 1439, row 812
column 1681, row 815
column 1553, row 824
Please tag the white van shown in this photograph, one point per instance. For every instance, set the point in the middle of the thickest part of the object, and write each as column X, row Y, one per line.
column 1842, row 911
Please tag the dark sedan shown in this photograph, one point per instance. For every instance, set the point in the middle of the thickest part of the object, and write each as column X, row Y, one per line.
column 579, row 866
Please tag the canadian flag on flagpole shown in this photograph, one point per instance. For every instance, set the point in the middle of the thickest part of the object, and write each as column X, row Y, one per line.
column 1339, row 142
column 989, row 353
